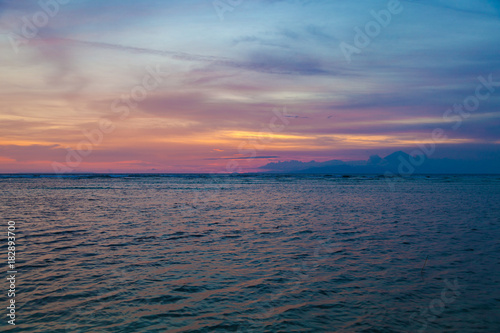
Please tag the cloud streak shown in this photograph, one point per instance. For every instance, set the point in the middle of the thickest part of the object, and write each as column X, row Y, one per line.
column 223, row 79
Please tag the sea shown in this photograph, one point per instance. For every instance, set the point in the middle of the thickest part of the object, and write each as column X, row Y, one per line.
column 252, row 253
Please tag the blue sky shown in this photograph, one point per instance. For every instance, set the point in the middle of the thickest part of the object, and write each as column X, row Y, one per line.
column 224, row 72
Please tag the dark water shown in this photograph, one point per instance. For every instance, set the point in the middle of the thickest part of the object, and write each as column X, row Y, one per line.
column 255, row 254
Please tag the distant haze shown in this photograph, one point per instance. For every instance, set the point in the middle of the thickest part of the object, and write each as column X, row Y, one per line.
column 397, row 163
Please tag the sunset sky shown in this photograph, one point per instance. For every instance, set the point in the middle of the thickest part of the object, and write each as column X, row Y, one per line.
column 188, row 86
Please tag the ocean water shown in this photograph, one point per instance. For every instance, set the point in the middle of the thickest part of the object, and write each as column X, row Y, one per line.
column 254, row 253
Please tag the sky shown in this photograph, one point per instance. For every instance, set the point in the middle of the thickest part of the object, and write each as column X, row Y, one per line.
column 230, row 85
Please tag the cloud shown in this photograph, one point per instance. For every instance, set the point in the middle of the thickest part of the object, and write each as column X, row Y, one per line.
column 240, row 158
column 32, row 153
column 223, row 80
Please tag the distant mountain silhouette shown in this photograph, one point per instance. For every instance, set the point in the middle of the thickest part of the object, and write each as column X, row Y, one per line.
column 397, row 163
column 395, row 157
